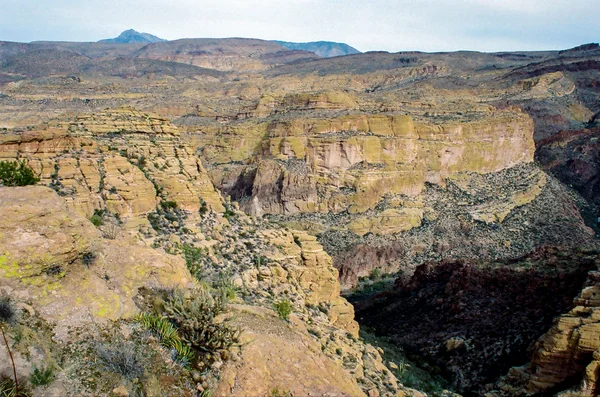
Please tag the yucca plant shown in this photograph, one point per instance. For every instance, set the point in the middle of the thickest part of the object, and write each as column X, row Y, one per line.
column 167, row 335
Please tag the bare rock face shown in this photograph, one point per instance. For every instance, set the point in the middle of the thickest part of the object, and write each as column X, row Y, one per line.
column 281, row 356
column 58, row 261
column 350, row 163
column 122, row 160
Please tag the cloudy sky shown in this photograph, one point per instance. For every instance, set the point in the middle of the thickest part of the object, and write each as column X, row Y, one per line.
column 426, row 25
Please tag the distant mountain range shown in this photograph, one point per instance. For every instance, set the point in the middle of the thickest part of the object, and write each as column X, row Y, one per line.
column 325, row 49
column 132, row 36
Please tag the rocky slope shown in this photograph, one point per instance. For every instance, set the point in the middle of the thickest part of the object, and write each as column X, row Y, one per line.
column 565, row 359
column 393, row 160
column 572, row 157
column 126, row 168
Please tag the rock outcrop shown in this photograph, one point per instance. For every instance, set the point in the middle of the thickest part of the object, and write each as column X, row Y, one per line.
column 350, row 163
column 478, row 320
column 123, row 161
column 566, row 358
column 58, row 261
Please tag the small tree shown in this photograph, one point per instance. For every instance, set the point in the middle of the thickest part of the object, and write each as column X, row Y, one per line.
column 14, row 173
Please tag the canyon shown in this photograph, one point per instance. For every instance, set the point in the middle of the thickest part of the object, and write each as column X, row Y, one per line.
column 449, row 197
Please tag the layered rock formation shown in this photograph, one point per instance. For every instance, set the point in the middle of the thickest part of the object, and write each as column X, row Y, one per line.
column 394, row 160
column 566, row 358
column 350, row 163
column 123, row 161
column 87, row 277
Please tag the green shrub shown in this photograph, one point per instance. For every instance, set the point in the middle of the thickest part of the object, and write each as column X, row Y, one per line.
column 225, row 289
column 283, row 309
column 168, row 204
column 203, row 207
column 375, row 274
column 41, row 376
column 277, row 392
column 96, row 220
column 229, row 212
column 14, row 173
column 193, row 259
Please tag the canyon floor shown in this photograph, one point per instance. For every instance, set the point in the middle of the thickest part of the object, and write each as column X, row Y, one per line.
column 211, row 213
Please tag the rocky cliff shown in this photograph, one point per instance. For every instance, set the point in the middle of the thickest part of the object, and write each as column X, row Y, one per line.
column 131, row 174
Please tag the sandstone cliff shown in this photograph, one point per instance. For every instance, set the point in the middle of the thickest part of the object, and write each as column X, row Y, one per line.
column 126, row 167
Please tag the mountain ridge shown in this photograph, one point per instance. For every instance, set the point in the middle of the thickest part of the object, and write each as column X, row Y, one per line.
column 133, row 36
column 325, row 49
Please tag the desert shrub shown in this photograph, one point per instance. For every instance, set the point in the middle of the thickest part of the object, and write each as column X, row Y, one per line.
column 110, row 231
column 283, row 309
column 195, row 319
column 14, row 173
column 121, row 358
column 203, row 207
column 229, row 212
column 96, row 220
column 89, row 258
column 8, row 313
column 225, row 288
column 193, row 259
column 277, row 392
column 168, row 204
column 41, row 376
column 375, row 274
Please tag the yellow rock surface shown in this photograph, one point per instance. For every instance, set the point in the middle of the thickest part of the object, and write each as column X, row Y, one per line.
column 44, row 247
column 116, row 160
column 281, row 356
column 388, row 222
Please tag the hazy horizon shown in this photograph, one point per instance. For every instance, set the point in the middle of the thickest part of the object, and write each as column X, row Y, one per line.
column 419, row 25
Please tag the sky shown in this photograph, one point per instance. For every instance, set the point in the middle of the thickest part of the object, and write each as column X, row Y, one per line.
column 423, row 25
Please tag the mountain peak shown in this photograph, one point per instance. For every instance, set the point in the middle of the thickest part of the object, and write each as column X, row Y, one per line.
column 325, row 49
column 133, row 36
